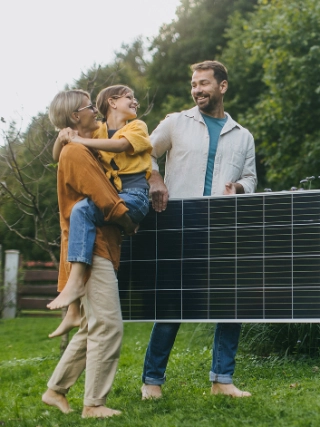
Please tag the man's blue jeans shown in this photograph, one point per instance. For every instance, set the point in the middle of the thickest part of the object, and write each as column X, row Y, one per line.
column 85, row 217
column 162, row 338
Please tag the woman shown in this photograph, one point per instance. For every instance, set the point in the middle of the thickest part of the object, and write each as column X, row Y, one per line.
column 96, row 345
column 127, row 162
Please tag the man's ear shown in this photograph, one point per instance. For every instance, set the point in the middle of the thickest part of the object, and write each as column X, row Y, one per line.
column 223, row 86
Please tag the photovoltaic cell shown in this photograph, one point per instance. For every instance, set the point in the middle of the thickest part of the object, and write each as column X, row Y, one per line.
column 248, row 258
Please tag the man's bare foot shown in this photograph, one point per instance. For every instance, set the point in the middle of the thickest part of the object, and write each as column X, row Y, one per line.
column 66, row 325
column 228, row 390
column 150, row 391
column 69, row 294
column 99, row 412
column 59, row 400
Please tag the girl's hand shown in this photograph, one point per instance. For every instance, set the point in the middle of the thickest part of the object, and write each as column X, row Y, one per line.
column 63, row 136
column 73, row 135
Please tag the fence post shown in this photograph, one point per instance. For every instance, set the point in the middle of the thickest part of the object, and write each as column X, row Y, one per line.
column 11, row 269
column 1, row 283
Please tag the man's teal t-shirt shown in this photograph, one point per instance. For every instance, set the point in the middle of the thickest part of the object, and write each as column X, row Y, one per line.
column 214, row 127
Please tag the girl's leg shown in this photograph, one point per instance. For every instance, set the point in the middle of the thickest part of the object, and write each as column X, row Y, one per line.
column 137, row 201
column 74, row 288
column 84, row 218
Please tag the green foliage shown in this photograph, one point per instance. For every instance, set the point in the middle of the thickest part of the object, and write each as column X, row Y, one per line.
column 272, row 339
column 282, row 339
column 128, row 68
column 275, row 53
column 197, row 34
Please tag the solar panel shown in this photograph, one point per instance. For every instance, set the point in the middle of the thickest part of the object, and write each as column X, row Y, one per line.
column 248, row 258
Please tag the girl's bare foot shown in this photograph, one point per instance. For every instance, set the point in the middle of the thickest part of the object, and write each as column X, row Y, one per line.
column 99, row 412
column 66, row 297
column 71, row 320
column 74, row 288
column 59, row 400
column 65, row 326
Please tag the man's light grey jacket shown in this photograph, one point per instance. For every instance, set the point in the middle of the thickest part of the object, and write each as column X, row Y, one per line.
column 184, row 137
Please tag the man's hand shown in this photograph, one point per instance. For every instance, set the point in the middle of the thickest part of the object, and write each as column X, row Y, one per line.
column 158, row 192
column 233, row 188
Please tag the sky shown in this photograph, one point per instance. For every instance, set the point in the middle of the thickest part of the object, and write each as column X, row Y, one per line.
column 46, row 44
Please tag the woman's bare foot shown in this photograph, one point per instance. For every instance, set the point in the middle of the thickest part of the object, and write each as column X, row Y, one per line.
column 99, row 412
column 59, row 400
column 228, row 390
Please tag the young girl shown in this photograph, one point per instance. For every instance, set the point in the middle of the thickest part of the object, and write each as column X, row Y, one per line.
column 127, row 163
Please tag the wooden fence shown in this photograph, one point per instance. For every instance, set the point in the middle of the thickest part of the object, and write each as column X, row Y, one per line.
column 37, row 288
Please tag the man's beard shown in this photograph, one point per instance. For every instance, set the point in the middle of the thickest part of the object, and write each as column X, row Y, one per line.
column 210, row 106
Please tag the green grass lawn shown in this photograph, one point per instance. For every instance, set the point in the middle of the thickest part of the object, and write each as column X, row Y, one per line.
column 285, row 391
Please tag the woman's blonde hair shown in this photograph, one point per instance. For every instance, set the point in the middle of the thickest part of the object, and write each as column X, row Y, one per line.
column 110, row 92
column 63, row 105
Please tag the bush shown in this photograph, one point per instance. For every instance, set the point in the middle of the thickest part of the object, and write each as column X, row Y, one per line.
column 282, row 339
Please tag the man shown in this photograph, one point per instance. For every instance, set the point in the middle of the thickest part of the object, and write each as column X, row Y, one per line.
column 208, row 153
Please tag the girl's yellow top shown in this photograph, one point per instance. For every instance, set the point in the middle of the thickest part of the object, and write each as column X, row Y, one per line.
column 136, row 160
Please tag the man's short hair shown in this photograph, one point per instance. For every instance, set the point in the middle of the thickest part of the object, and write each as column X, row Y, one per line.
column 220, row 72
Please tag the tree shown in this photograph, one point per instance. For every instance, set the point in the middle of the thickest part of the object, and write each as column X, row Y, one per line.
column 129, row 68
column 275, row 56
column 197, row 34
column 28, row 198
